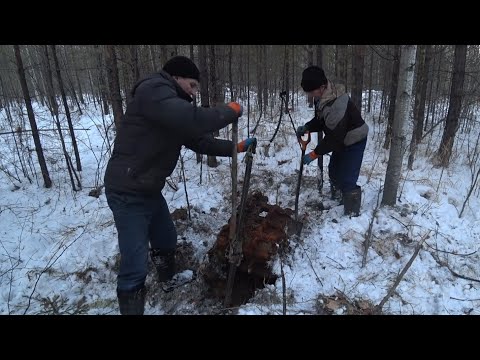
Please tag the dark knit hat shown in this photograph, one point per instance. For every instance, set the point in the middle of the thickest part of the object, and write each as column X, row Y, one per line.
column 312, row 78
column 182, row 66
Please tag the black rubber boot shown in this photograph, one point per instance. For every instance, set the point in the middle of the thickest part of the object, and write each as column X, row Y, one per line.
column 335, row 193
column 131, row 302
column 164, row 262
column 352, row 201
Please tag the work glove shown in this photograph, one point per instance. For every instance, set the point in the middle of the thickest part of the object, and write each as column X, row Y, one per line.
column 242, row 146
column 308, row 158
column 236, row 107
column 301, row 130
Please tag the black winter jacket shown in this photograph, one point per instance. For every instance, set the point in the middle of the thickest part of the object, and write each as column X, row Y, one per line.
column 341, row 122
column 159, row 119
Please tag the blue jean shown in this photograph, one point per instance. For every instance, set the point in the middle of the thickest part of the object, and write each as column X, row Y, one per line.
column 344, row 166
column 140, row 220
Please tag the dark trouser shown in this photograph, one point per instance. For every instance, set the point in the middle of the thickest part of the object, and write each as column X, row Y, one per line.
column 139, row 220
column 344, row 166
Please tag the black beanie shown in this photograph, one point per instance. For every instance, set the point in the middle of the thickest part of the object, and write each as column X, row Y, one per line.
column 312, row 78
column 182, row 66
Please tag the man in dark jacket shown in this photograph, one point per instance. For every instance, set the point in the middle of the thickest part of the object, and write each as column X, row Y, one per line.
column 345, row 136
column 160, row 118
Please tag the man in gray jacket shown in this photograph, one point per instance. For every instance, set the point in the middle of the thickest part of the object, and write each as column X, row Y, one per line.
column 345, row 136
column 160, row 118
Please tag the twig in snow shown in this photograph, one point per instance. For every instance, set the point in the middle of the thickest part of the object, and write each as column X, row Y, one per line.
column 454, row 298
column 449, row 252
column 368, row 235
column 49, row 266
column 379, row 307
column 341, row 266
column 311, row 264
column 443, row 263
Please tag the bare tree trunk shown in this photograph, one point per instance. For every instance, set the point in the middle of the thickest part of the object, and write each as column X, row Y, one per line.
column 320, row 179
column 54, row 110
column 265, row 79
column 101, row 78
column 77, row 78
column 393, row 94
column 212, row 160
column 41, row 86
column 213, row 76
column 114, row 83
column 68, row 74
column 402, row 111
column 67, row 111
column 204, row 95
column 358, row 59
column 192, row 57
column 258, row 50
column 31, row 118
column 6, row 105
column 248, row 90
column 310, row 63
column 456, row 96
column 36, row 87
column 293, row 77
column 430, row 93
column 319, row 56
column 341, row 65
column 423, row 59
column 151, row 48
column 163, row 54
column 134, row 67
column 370, row 85
column 68, row 85
column 230, row 75
column 287, row 70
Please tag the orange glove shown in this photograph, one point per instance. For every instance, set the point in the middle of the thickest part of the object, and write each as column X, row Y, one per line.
column 243, row 145
column 236, row 107
column 308, row 158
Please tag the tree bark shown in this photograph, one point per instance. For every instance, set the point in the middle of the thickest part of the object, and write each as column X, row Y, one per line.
column 402, row 111
column 420, row 97
column 393, row 94
column 31, row 117
column 456, row 96
column 114, row 83
column 358, row 59
column 67, row 111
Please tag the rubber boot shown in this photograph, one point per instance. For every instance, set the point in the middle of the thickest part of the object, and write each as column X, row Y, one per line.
column 352, row 201
column 164, row 262
column 131, row 302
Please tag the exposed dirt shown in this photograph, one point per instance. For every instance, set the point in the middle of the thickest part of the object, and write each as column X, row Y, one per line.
column 265, row 230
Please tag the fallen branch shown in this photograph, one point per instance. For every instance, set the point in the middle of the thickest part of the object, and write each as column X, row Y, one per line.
column 454, row 298
column 460, row 275
column 368, row 235
column 399, row 278
column 341, row 266
column 50, row 264
column 454, row 273
column 449, row 252
column 311, row 264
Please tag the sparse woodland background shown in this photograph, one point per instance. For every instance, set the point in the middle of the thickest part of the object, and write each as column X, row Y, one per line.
column 440, row 83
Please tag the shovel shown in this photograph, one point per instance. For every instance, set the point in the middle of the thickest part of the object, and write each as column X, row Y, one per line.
column 296, row 226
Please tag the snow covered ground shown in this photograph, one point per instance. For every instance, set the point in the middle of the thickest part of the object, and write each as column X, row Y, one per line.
column 59, row 251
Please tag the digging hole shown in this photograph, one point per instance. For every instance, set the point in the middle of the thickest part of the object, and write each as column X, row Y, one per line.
column 261, row 237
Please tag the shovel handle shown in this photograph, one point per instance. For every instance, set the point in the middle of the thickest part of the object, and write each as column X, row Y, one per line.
column 303, row 143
